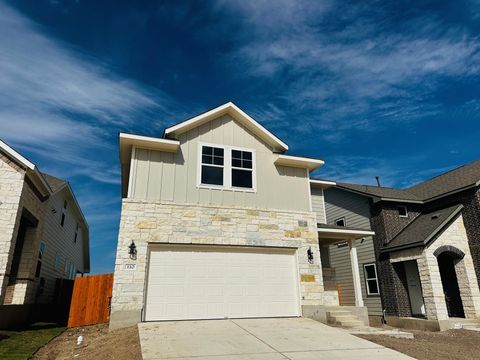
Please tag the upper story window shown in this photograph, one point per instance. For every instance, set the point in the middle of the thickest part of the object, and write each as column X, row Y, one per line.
column 341, row 222
column 64, row 213
column 212, row 165
column 227, row 167
column 76, row 234
column 402, row 211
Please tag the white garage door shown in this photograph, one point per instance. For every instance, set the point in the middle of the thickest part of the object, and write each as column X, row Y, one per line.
column 198, row 282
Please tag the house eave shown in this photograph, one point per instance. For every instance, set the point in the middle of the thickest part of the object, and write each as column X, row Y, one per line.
column 298, row 162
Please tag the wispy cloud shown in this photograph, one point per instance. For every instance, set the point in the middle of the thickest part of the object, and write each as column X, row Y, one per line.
column 357, row 66
column 64, row 103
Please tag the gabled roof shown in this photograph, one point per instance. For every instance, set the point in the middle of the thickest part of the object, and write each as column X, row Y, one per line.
column 423, row 228
column 54, row 182
column 455, row 180
column 451, row 181
column 238, row 114
column 384, row 193
column 31, row 170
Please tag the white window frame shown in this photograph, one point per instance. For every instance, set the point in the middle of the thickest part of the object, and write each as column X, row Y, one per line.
column 344, row 221
column 406, row 211
column 63, row 217
column 370, row 279
column 227, row 168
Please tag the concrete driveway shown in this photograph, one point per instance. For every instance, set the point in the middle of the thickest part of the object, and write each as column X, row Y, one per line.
column 257, row 339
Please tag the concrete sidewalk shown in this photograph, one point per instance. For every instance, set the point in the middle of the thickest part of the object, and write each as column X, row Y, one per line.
column 257, row 339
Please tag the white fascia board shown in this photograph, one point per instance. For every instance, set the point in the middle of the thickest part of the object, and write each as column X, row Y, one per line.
column 15, row 155
column 323, row 183
column 127, row 141
column 235, row 111
column 346, row 231
column 299, row 162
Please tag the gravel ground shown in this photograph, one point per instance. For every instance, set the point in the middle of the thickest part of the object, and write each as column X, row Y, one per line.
column 98, row 343
column 445, row 345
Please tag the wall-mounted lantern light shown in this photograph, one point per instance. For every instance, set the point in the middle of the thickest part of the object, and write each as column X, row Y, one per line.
column 310, row 255
column 132, row 251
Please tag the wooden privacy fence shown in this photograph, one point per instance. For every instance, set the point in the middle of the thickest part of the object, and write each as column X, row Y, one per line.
column 91, row 300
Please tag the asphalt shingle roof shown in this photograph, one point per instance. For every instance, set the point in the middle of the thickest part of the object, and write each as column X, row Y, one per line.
column 456, row 179
column 421, row 230
column 54, row 182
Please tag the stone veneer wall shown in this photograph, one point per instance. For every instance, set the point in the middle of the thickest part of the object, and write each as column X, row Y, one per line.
column 11, row 186
column 435, row 306
column 163, row 222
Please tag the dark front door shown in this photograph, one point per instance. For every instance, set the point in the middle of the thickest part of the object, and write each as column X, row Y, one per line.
column 450, row 285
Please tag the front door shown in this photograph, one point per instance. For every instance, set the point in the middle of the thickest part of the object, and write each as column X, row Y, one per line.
column 450, row 285
column 414, row 288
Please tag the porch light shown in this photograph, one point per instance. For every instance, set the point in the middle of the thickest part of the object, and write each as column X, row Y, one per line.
column 132, row 250
column 310, row 255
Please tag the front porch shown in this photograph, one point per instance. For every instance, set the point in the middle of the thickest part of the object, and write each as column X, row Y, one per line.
column 334, row 310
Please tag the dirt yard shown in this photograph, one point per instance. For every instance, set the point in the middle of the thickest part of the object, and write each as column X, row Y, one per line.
column 445, row 345
column 98, row 343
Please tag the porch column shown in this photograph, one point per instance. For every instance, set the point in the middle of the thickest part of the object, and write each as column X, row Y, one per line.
column 357, row 284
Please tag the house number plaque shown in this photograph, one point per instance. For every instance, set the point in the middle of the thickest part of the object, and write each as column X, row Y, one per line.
column 130, row 266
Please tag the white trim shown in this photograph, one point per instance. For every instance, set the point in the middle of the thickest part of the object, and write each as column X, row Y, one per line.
column 149, row 139
column 325, row 183
column 366, row 279
column 297, row 161
column 222, row 109
column 227, row 168
column 324, row 207
column 346, row 231
column 133, row 172
column 309, row 191
column 16, row 156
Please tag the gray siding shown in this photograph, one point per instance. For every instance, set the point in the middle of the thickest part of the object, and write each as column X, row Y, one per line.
column 356, row 210
column 318, row 204
column 60, row 240
column 173, row 176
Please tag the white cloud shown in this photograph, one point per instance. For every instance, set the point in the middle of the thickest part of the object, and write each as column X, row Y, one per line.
column 57, row 100
column 361, row 67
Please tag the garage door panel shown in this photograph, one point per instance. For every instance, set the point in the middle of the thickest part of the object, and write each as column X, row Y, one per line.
column 215, row 283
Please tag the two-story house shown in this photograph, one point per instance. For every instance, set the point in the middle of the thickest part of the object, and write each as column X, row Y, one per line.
column 43, row 233
column 218, row 222
column 426, row 247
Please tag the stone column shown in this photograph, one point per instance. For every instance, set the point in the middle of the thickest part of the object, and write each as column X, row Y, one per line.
column 357, row 284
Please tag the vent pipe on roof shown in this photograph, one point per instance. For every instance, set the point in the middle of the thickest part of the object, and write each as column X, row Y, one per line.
column 378, row 180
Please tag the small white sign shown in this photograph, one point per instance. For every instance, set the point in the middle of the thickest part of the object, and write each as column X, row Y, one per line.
column 130, row 266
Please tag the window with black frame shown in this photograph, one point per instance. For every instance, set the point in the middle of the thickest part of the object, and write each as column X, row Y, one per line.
column 212, row 165
column 242, row 169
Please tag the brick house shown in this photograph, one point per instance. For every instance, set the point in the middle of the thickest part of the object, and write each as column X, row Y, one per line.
column 43, row 233
column 426, row 245
column 218, row 222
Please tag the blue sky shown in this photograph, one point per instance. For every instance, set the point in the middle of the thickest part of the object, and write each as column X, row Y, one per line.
column 383, row 88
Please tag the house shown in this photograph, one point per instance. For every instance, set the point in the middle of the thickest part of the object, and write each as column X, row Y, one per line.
column 43, row 233
column 426, row 246
column 218, row 221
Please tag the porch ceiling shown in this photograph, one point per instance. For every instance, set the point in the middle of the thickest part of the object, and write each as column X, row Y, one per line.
column 331, row 234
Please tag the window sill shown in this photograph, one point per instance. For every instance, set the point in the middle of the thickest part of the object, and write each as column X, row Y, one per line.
column 222, row 188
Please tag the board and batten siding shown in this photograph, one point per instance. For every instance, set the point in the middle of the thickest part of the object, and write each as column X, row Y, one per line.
column 318, row 204
column 356, row 210
column 162, row 176
column 60, row 240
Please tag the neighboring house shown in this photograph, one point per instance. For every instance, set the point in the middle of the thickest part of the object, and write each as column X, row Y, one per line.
column 219, row 222
column 426, row 244
column 43, row 233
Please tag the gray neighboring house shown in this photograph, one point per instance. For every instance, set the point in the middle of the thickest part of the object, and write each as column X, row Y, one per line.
column 43, row 233
column 426, row 246
column 218, row 221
